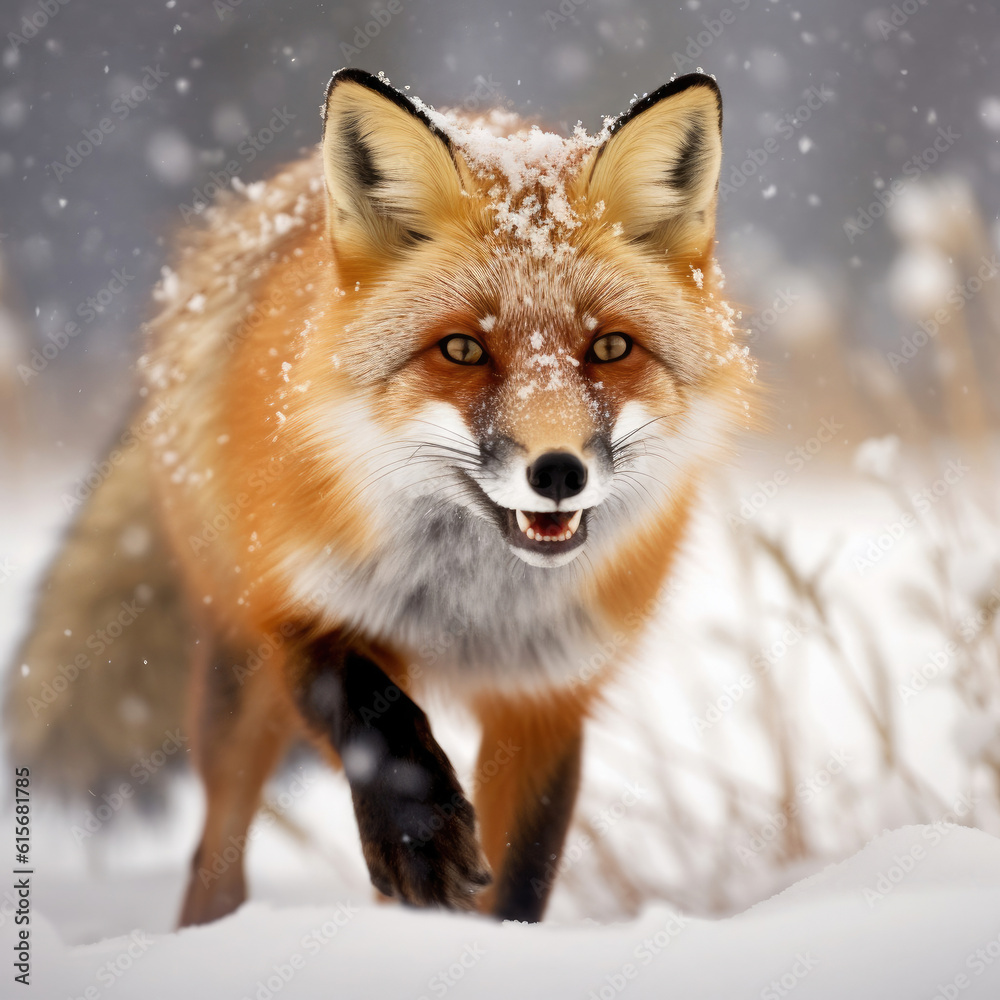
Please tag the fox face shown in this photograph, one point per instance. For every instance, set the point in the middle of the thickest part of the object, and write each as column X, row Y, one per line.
column 531, row 321
column 485, row 367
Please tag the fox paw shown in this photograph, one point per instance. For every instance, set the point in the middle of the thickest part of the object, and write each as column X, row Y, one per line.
column 418, row 834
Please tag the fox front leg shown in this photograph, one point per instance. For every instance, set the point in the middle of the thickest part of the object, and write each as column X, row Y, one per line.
column 418, row 830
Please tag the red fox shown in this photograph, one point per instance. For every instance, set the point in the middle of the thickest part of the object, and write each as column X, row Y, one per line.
column 427, row 411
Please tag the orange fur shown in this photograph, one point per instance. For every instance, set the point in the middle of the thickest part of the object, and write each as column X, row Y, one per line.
column 299, row 341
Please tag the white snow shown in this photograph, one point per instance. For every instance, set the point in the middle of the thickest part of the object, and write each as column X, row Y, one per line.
column 906, row 916
column 913, row 913
column 514, row 160
column 878, row 457
column 170, row 156
column 989, row 111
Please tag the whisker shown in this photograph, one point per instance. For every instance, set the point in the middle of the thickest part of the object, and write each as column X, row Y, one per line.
column 628, row 476
column 446, row 430
column 625, row 437
column 446, row 447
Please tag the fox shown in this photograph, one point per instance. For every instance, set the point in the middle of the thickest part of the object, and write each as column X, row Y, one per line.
column 426, row 413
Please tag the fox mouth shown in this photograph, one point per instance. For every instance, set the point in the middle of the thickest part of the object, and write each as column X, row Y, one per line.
column 540, row 538
column 557, row 526
column 547, row 533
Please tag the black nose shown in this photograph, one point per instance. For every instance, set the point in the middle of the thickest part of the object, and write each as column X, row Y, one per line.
column 557, row 475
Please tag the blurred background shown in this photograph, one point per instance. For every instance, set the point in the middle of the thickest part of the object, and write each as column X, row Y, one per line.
column 852, row 98
column 859, row 232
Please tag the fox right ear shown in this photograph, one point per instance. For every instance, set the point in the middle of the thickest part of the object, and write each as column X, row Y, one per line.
column 390, row 175
column 658, row 172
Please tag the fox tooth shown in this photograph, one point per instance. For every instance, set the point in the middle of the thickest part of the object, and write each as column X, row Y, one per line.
column 522, row 522
column 574, row 523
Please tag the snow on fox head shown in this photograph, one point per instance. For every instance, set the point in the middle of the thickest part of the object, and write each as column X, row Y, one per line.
column 528, row 324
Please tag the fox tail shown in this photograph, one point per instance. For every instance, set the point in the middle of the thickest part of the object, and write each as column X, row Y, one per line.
column 98, row 684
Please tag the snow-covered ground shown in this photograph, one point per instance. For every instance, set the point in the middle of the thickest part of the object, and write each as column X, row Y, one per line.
column 914, row 915
column 710, row 784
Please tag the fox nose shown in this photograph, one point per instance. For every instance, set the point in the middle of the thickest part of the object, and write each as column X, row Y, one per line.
column 557, row 475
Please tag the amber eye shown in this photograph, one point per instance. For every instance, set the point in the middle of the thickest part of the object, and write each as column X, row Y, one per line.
column 611, row 347
column 463, row 350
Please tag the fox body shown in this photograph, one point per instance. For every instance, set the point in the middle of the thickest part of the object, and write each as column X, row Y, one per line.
column 430, row 409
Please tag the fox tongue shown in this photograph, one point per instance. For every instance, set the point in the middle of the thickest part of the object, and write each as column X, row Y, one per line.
column 549, row 525
column 555, row 526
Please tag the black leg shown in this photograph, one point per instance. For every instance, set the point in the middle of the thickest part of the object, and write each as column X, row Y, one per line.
column 418, row 831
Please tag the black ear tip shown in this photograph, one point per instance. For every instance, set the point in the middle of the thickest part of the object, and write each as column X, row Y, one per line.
column 694, row 80
column 359, row 76
column 676, row 86
column 380, row 86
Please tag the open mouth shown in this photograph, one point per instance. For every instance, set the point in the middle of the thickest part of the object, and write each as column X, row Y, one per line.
column 558, row 526
column 547, row 533
column 541, row 538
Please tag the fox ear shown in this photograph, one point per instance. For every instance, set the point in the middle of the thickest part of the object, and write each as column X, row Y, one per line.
column 390, row 175
column 658, row 172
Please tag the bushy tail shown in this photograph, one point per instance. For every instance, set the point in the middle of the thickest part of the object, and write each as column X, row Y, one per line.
column 98, row 686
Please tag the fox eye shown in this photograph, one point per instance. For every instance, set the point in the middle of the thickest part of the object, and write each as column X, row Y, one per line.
column 463, row 350
column 611, row 347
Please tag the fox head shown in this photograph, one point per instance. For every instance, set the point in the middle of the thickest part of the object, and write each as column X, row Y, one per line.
column 529, row 322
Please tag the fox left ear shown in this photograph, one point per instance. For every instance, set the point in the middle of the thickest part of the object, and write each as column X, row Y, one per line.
column 390, row 175
column 658, row 172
